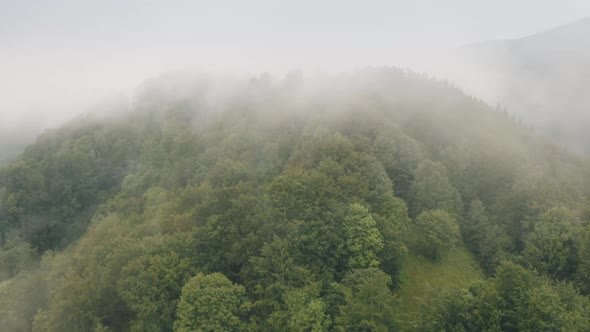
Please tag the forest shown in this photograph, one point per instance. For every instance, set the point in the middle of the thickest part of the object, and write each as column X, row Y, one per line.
column 377, row 200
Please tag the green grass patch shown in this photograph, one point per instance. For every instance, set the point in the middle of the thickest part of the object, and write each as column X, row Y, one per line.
column 422, row 279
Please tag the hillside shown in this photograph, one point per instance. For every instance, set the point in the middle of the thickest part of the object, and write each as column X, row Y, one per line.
column 295, row 204
column 543, row 79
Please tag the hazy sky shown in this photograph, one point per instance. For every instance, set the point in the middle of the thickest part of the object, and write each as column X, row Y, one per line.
column 57, row 56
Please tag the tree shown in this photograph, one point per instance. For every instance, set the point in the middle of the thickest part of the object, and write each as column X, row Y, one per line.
column 21, row 297
column 495, row 246
column 438, row 231
column 23, row 195
column 16, row 257
column 474, row 225
column 392, row 220
column 400, row 155
column 369, row 304
column 211, row 303
column 151, row 285
column 542, row 310
column 363, row 240
column 432, row 190
column 531, row 303
column 281, row 288
column 550, row 247
column 516, row 299
column 458, row 309
column 302, row 309
column 583, row 272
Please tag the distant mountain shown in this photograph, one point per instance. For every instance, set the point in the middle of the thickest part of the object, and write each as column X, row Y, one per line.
column 14, row 140
column 543, row 79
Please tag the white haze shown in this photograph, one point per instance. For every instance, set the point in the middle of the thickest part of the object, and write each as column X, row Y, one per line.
column 60, row 58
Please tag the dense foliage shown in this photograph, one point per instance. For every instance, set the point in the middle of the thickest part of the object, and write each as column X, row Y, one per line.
column 291, row 206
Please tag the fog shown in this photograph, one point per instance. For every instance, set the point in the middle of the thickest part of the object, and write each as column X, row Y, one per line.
column 62, row 58
column 541, row 79
column 200, row 139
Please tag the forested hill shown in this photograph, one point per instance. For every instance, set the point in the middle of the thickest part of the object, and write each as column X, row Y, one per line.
column 543, row 79
column 294, row 205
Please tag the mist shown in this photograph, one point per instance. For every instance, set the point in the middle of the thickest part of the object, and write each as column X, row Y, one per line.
column 540, row 79
column 294, row 165
column 60, row 59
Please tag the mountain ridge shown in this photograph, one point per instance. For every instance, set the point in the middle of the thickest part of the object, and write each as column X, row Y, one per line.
column 542, row 79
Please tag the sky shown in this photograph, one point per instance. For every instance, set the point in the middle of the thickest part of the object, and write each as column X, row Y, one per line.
column 60, row 57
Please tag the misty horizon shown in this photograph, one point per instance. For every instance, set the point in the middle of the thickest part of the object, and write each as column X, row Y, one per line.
column 59, row 63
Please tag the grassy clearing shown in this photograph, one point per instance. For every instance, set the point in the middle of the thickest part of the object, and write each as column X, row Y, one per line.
column 422, row 279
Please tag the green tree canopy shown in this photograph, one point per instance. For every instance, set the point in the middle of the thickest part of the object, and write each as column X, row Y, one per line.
column 369, row 304
column 211, row 303
column 432, row 190
column 363, row 240
column 551, row 247
column 438, row 230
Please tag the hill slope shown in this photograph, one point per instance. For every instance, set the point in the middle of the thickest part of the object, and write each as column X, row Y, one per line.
column 543, row 79
column 284, row 205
